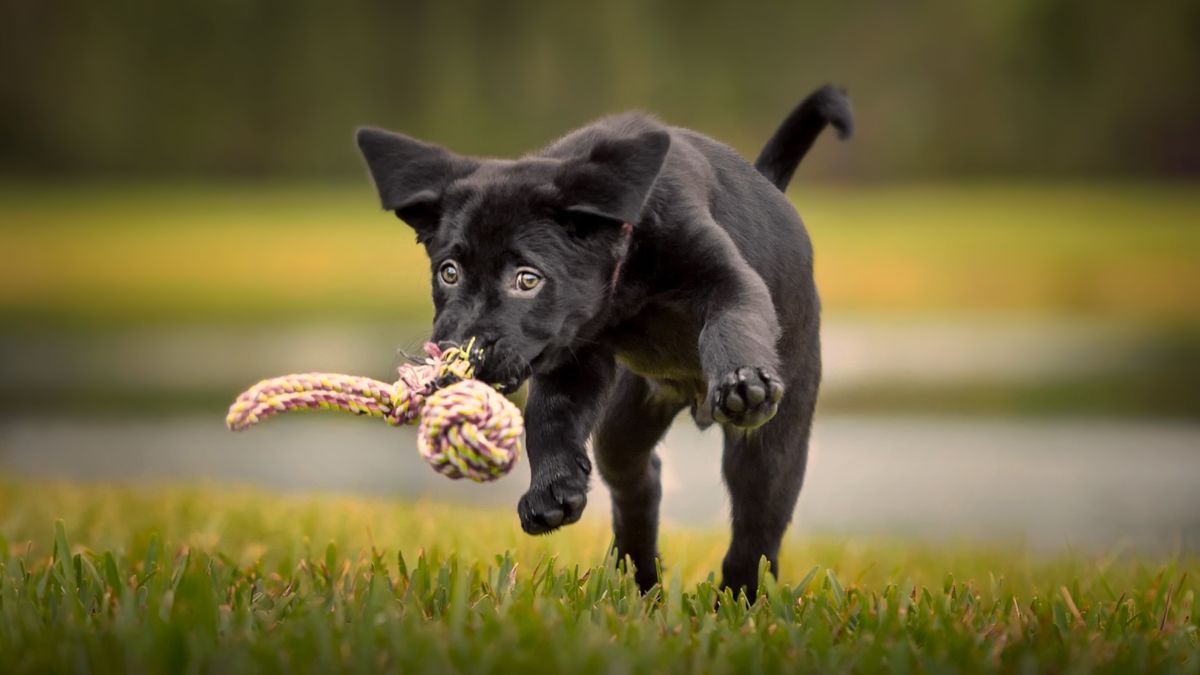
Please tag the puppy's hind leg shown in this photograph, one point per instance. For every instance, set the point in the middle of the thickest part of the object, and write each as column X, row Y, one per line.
column 764, row 469
column 637, row 415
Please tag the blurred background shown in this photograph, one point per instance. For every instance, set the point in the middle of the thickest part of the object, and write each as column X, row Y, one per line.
column 1007, row 251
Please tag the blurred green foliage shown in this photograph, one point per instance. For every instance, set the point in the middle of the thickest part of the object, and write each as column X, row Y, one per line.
column 1081, row 87
column 98, row 259
column 134, row 254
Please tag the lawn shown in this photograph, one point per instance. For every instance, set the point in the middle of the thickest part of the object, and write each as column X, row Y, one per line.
column 120, row 254
column 104, row 579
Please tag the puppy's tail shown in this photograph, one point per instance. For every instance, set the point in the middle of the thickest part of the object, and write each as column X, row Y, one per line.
column 782, row 154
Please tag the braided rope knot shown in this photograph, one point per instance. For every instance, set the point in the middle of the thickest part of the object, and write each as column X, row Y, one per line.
column 467, row 429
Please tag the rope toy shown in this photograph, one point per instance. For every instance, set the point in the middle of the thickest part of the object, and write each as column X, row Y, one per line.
column 467, row 429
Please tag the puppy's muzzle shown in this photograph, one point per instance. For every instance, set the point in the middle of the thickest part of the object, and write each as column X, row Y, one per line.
column 494, row 364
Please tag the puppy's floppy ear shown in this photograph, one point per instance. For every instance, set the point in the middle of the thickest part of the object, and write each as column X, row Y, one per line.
column 411, row 175
column 613, row 182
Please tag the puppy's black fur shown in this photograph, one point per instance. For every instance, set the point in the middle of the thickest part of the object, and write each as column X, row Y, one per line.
column 631, row 270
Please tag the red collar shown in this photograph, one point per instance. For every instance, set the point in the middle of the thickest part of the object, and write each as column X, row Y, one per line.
column 626, row 237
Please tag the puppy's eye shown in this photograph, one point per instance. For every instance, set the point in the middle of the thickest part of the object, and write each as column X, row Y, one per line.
column 527, row 280
column 449, row 273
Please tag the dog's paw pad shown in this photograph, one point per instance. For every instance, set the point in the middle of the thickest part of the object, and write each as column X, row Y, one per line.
column 745, row 397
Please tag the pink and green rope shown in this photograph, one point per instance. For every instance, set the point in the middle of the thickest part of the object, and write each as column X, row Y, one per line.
column 466, row 428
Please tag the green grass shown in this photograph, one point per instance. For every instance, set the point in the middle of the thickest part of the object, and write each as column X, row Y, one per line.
column 143, row 253
column 200, row 580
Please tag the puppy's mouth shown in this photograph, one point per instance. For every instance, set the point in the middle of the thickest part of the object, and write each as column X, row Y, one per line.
column 509, row 385
column 504, row 370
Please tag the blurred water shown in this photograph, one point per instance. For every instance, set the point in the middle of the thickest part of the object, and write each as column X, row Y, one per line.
column 1051, row 483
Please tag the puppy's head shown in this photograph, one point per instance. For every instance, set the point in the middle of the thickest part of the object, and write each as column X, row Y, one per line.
column 522, row 252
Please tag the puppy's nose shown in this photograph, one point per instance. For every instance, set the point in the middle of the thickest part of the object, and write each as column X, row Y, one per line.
column 479, row 341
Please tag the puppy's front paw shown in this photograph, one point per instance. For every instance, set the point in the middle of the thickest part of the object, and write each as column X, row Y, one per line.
column 557, row 500
column 746, row 397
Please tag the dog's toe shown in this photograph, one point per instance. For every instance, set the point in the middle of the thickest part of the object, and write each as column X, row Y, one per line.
column 746, row 397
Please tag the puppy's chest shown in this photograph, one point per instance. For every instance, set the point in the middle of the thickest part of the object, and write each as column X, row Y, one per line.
column 660, row 342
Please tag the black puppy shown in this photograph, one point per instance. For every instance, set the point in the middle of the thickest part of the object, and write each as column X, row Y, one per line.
column 631, row 270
